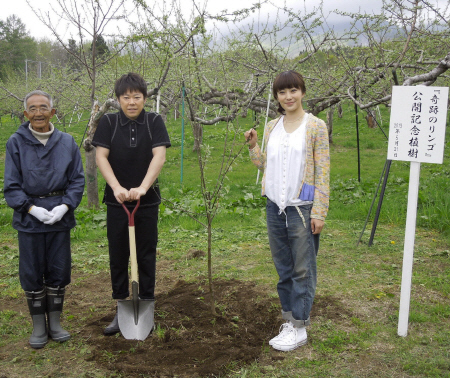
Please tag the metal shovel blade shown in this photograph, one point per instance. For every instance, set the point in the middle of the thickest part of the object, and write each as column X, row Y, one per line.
column 140, row 329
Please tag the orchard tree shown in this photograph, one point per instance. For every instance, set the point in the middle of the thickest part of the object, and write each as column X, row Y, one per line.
column 89, row 20
column 232, row 104
column 405, row 44
column 214, row 93
column 413, row 49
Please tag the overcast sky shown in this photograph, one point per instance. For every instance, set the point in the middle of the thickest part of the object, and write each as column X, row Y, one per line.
column 38, row 30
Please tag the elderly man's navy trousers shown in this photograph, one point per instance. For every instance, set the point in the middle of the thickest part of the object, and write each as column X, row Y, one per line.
column 44, row 259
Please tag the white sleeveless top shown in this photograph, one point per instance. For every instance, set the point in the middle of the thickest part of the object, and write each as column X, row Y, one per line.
column 286, row 159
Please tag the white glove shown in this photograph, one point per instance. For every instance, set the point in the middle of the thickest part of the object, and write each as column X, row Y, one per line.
column 57, row 212
column 40, row 213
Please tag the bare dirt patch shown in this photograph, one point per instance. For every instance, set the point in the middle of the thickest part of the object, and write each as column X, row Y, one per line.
column 188, row 340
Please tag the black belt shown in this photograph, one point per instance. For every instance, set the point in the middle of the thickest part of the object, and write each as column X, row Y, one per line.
column 51, row 194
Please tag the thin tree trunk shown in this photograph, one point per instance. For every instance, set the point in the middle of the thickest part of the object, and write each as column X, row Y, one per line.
column 89, row 151
column 91, row 177
column 198, row 135
column 330, row 114
column 371, row 120
column 211, row 287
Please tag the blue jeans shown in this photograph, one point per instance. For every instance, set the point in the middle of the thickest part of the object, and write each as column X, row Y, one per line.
column 294, row 250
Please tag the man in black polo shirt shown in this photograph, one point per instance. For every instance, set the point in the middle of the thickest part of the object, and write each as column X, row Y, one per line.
column 131, row 151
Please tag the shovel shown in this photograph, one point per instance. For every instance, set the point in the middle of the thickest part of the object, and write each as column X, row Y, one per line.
column 136, row 315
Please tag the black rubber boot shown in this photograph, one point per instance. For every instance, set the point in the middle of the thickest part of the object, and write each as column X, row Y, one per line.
column 113, row 327
column 55, row 301
column 37, row 304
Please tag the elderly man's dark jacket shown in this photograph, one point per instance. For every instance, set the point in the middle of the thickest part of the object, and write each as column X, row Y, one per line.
column 33, row 171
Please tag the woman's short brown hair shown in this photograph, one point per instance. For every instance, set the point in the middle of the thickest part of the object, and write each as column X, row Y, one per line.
column 287, row 80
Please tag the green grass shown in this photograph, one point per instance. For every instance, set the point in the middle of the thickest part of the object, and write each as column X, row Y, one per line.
column 364, row 281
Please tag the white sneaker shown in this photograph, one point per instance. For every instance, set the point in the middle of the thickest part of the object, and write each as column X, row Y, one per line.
column 289, row 338
column 283, row 331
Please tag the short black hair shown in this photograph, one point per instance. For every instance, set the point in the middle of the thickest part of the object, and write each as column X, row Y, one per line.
column 287, row 80
column 132, row 82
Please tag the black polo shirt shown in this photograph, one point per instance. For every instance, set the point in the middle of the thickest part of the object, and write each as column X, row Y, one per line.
column 130, row 144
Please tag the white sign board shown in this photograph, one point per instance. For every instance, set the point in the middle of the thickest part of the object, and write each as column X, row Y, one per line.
column 417, row 124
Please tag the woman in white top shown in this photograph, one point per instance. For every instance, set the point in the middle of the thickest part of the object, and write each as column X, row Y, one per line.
column 296, row 183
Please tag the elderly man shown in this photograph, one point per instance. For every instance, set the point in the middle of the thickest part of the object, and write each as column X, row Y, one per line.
column 44, row 183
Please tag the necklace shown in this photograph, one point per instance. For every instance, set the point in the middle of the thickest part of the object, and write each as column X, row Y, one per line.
column 295, row 120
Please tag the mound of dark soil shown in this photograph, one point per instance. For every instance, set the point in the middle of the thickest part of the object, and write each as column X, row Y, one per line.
column 188, row 340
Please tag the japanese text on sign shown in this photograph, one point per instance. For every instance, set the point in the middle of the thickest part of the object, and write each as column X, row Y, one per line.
column 417, row 124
